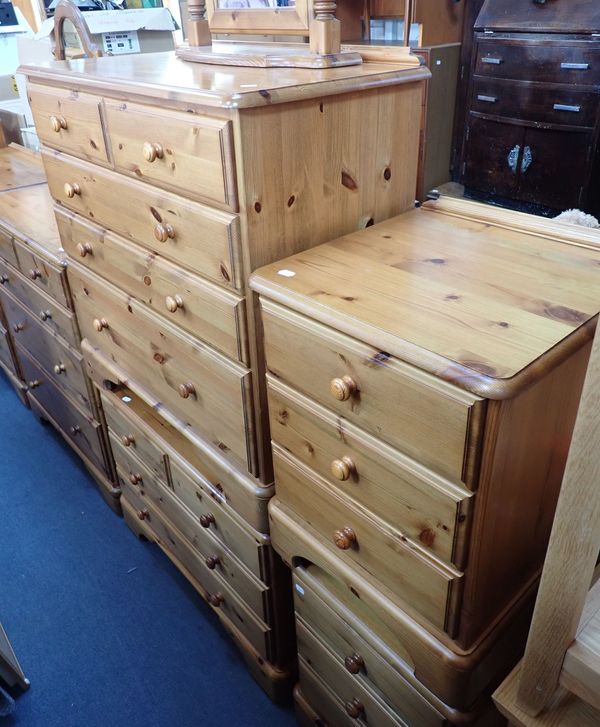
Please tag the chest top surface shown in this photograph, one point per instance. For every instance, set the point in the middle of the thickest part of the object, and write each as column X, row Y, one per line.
column 28, row 214
column 162, row 76
column 471, row 301
column 19, row 168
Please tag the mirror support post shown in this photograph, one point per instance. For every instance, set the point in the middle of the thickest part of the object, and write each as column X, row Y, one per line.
column 197, row 29
column 325, row 30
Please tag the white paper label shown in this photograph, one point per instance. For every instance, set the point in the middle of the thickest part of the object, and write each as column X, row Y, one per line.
column 123, row 42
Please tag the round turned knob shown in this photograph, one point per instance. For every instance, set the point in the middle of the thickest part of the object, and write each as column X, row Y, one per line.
column 3, row 279
column 216, row 599
column 75, row 429
column 45, row 315
column 72, row 189
column 354, row 708
column 18, row 327
column 343, row 468
column 59, row 369
column 206, row 519
column 212, row 561
column 164, row 232
column 135, row 478
column 354, row 663
column 152, row 151
column 84, row 248
column 100, row 324
column 344, row 538
column 34, row 384
column 57, row 123
column 186, row 390
column 34, row 274
column 343, row 388
column 143, row 514
column 173, row 302
column 127, row 440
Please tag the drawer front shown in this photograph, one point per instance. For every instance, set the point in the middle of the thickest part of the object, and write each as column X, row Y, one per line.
column 190, row 379
column 211, row 313
column 425, row 507
column 200, row 238
column 574, row 65
column 551, row 106
column 68, row 120
column 135, row 476
column 7, row 251
column 381, row 552
column 63, row 364
column 80, row 427
column 5, row 351
column 45, row 275
column 322, row 700
column 186, row 152
column 431, row 421
column 187, row 557
column 53, row 316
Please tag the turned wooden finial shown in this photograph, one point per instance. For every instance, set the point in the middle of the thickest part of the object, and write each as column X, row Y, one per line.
column 325, row 28
column 198, row 30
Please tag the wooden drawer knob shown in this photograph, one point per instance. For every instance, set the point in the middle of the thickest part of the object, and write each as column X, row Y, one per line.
column 3, row 279
column 342, row 469
column 343, row 388
column 186, row 390
column 34, row 274
column 207, row 519
column 75, row 429
column 58, row 123
column 84, row 248
column 354, row 708
column 164, row 232
column 72, row 189
column 212, row 561
column 354, row 663
column 152, row 151
column 127, row 440
column 59, row 369
column 344, row 538
column 18, row 327
column 173, row 303
column 34, row 384
column 46, row 315
column 216, row 599
column 136, row 478
column 143, row 514
column 100, row 324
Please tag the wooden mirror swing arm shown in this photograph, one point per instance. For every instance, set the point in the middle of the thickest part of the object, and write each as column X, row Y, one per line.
column 67, row 10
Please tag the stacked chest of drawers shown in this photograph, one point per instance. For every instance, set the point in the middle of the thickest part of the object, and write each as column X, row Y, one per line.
column 421, row 415
column 39, row 314
column 173, row 181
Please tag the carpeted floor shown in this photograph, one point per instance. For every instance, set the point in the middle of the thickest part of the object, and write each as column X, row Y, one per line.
column 107, row 631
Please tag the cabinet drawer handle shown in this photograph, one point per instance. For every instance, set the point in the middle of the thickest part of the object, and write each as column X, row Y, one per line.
column 72, row 189
column 344, row 538
column 3, row 279
column 354, row 708
column 136, row 478
column 45, row 315
column 216, row 599
column 84, row 248
column 127, row 440
column 173, row 303
column 164, row 232
column 143, row 514
column 186, row 390
column 342, row 469
column 354, row 663
column 207, row 519
column 152, row 151
column 58, row 123
column 492, row 61
column 76, row 429
column 486, row 99
column 343, row 388
column 59, row 369
column 566, row 107
column 212, row 561
column 18, row 327
column 35, row 274
column 34, row 384
column 100, row 324
column 575, row 66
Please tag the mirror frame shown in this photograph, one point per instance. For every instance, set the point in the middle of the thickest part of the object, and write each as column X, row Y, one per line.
column 66, row 10
column 267, row 21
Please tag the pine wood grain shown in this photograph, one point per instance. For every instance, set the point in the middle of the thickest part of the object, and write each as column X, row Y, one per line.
column 19, row 168
column 38, row 229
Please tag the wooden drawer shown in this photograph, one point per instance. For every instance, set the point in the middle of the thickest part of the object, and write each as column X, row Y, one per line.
column 423, row 506
column 178, row 548
column 382, row 552
column 189, row 378
column 6, row 357
column 186, row 152
column 569, row 64
column 431, row 421
column 52, row 315
column 135, row 476
column 7, row 251
column 62, row 364
column 80, row 428
column 322, row 700
column 211, row 313
column 68, row 120
column 534, row 103
column 45, row 275
column 200, row 238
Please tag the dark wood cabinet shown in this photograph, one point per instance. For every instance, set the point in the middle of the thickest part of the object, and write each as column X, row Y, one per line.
column 532, row 105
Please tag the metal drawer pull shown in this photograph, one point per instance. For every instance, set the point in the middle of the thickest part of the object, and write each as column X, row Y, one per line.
column 513, row 158
column 487, row 99
column 575, row 66
column 492, row 61
column 566, row 107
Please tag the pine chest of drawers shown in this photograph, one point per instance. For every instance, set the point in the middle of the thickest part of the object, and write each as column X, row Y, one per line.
column 423, row 378
column 173, row 182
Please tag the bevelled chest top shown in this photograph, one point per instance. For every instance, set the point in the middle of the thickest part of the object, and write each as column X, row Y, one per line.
column 485, row 303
